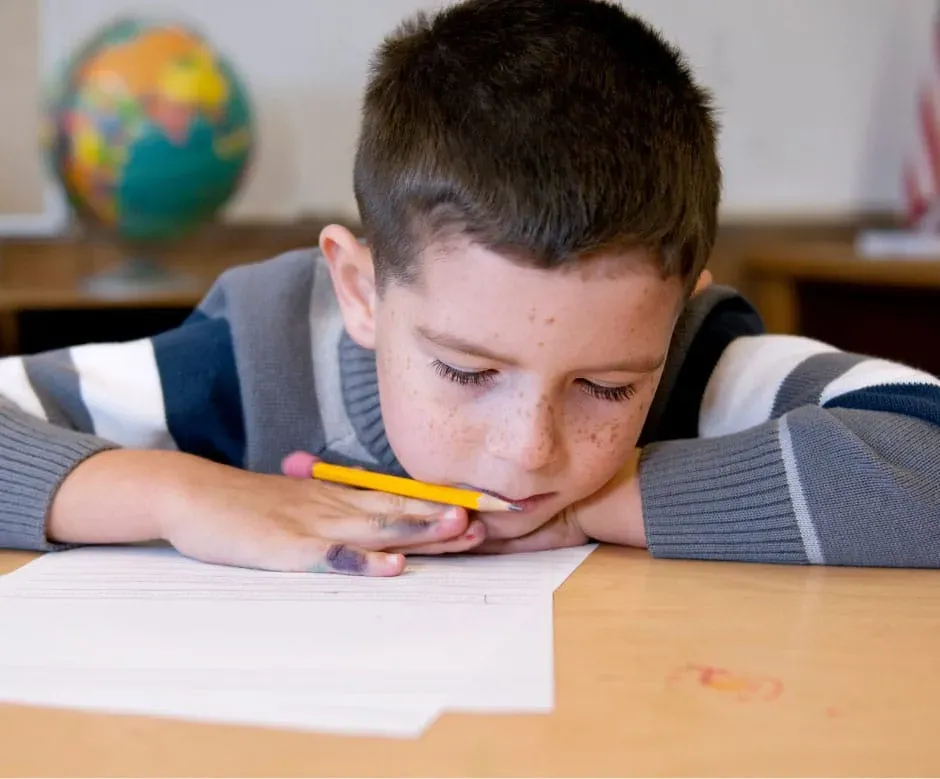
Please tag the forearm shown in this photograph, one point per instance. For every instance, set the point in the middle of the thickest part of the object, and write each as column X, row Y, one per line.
column 836, row 487
column 721, row 498
column 35, row 459
column 614, row 514
column 58, row 486
column 115, row 497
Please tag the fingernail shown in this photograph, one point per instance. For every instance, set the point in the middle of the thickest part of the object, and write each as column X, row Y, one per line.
column 452, row 513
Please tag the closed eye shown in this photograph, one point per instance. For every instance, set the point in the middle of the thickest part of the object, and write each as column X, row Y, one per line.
column 617, row 394
column 464, row 378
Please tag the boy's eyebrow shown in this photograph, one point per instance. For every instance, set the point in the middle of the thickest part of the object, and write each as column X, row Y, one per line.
column 645, row 364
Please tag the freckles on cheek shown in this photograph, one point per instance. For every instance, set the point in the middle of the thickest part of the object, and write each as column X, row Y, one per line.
column 601, row 443
column 613, row 434
column 436, row 427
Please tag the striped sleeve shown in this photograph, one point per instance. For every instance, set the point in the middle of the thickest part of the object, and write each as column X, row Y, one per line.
column 804, row 454
column 178, row 390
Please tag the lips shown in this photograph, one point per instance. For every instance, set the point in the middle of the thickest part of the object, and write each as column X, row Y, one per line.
column 533, row 502
column 529, row 503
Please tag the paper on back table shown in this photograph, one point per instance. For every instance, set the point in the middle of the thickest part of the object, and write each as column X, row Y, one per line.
column 147, row 631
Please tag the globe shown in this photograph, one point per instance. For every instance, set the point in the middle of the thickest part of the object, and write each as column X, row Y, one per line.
column 149, row 131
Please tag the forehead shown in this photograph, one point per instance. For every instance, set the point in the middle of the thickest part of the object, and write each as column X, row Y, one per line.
column 608, row 302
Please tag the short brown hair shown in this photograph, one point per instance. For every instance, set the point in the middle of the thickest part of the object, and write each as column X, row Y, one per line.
column 546, row 130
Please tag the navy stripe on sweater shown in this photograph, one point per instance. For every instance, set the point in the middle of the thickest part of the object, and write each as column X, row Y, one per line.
column 201, row 392
column 921, row 401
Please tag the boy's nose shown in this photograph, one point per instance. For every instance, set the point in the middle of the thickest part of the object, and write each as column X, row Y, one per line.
column 526, row 437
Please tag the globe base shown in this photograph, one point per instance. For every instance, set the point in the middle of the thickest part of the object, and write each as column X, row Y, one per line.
column 139, row 277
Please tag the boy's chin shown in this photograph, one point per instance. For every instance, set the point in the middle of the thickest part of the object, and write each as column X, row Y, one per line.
column 502, row 525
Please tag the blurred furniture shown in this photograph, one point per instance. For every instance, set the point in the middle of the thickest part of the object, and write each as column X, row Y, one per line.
column 663, row 668
column 43, row 304
column 886, row 307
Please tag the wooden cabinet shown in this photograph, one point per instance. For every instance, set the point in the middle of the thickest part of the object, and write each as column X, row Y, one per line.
column 886, row 307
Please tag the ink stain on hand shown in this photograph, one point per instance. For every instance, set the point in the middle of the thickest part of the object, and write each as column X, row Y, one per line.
column 413, row 526
column 342, row 559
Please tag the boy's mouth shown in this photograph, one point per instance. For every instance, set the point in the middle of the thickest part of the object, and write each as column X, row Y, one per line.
column 530, row 503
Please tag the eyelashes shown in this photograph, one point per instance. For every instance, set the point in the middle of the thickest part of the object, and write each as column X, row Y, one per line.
column 610, row 394
column 485, row 378
column 464, row 378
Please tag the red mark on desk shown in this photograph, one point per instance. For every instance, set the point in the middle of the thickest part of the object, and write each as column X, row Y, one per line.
column 747, row 688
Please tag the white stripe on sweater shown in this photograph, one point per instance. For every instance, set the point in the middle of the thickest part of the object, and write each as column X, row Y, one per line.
column 120, row 386
column 804, row 519
column 740, row 393
column 875, row 373
column 326, row 325
column 17, row 387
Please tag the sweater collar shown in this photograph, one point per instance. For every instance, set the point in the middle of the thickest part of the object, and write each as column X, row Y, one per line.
column 360, row 385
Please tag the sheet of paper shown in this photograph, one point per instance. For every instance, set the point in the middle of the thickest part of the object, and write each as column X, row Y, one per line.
column 272, row 707
column 564, row 562
column 521, row 676
column 147, row 631
column 523, row 679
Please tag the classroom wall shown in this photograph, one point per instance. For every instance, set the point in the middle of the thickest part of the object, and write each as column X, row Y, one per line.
column 816, row 96
column 20, row 168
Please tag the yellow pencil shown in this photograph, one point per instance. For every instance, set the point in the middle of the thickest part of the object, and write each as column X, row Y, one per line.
column 409, row 488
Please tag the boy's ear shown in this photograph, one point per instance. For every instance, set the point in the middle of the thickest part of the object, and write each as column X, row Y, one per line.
column 350, row 264
column 704, row 282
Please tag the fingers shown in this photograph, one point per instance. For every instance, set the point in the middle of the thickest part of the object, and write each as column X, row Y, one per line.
column 555, row 534
column 315, row 555
column 288, row 551
column 384, row 531
column 473, row 536
column 387, row 519
column 392, row 521
column 383, row 503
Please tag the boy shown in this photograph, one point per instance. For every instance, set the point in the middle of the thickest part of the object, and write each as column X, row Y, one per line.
column 538, row 186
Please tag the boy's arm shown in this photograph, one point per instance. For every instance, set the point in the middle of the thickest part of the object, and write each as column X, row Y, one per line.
column 176, row 391
column 806, row 455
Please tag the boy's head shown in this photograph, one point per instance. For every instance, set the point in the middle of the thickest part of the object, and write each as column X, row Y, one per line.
column 538, row 185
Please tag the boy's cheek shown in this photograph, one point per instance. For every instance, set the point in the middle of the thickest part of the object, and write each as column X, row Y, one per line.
column 429, row 445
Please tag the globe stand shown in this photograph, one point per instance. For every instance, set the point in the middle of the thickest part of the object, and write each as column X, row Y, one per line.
column 140, row 275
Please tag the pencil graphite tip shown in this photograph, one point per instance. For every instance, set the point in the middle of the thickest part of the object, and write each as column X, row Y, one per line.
column 510, row 506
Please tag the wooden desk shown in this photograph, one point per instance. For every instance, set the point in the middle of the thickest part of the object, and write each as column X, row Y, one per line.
column 826, row 672
column 884, row 307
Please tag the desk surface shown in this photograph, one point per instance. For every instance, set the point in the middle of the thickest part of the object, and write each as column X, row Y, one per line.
column 662, row 667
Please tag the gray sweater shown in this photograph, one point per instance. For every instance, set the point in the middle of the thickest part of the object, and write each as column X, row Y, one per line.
column 757, row 447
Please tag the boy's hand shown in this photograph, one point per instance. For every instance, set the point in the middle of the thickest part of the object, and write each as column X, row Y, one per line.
column 614, row 515
column 219, row 514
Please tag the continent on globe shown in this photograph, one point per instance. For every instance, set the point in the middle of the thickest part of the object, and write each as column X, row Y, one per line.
column 149, row 130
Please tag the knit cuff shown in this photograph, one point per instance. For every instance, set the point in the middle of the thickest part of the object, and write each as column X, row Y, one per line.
column 723, row 498
column 35, row 458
